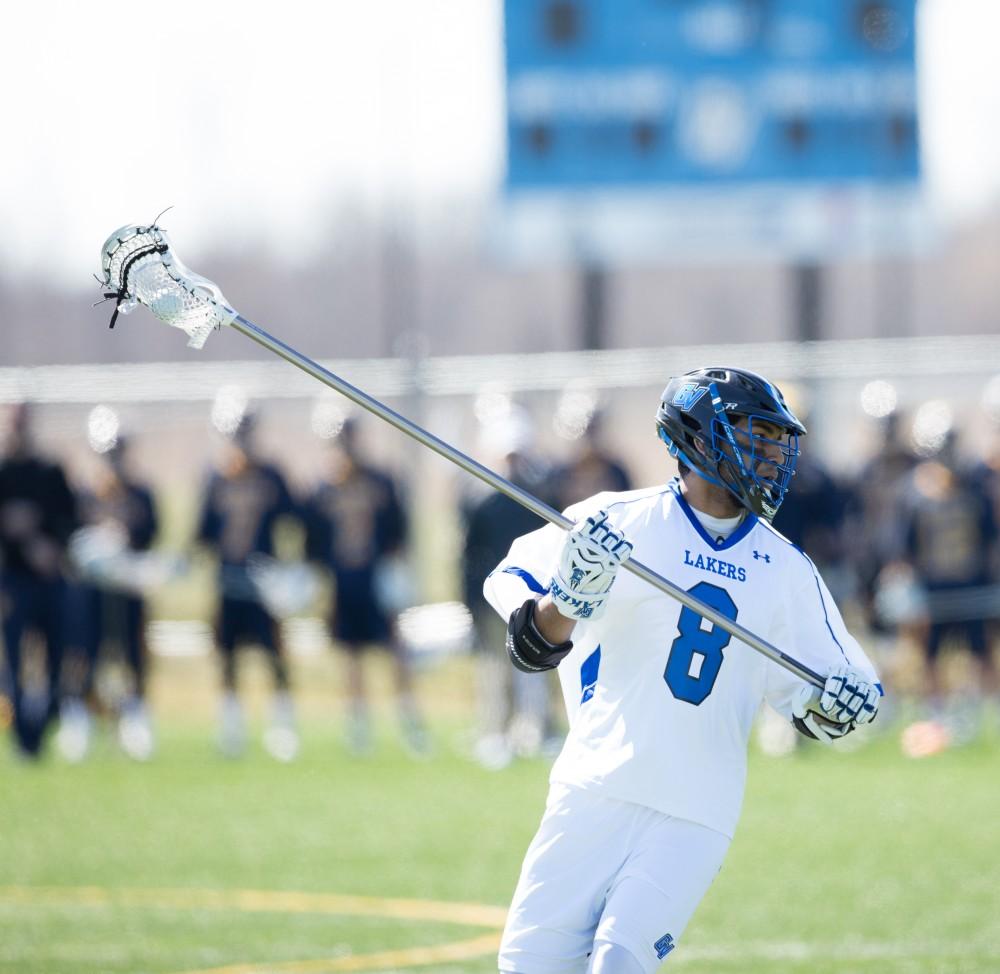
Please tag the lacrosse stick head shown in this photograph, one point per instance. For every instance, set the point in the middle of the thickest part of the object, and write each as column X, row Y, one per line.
column 140, row 266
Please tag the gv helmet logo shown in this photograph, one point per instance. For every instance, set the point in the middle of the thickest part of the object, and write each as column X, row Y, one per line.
column 688, row 394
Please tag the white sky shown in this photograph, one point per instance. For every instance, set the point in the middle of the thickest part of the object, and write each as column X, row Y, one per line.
column 255, row 114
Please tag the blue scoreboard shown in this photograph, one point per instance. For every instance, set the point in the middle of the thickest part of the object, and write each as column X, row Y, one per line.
column 647, row 94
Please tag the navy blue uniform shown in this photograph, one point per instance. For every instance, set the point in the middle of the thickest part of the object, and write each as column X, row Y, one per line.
column 504, row 696
column 37, row 516
column 238, row 519
column 491, row 525
column 873, row 507
column 354, row 524
column 812, row 515
column 492, row 522
column 109, row 615
column 950, row 532
column 589, row 474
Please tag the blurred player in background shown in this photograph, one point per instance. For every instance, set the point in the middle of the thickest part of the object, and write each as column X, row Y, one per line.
column 812, row 517
column 646, row 793
column 513, row 706
column 874, row 530
column 358, row 533
column 950, row 541
column 592, row 468
column 244, row 499
column 119, row 515
column 985, row 474
column 37, row 516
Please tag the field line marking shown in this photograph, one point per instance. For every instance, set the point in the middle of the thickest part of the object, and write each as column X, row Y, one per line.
column 284, row 901
column 469, row 914
column 404, row 957
column 264, row 901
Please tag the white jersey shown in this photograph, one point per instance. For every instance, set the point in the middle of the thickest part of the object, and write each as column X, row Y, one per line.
column 660, row 703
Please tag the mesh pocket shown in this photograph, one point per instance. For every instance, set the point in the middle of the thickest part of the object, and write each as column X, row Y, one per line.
column 140, row 265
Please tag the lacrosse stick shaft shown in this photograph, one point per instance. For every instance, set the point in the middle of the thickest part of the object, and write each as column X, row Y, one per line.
column 515, row 493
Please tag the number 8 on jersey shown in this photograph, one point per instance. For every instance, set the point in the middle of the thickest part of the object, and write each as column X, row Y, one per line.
column 696, row 654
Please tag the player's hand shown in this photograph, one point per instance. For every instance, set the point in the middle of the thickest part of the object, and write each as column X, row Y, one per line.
column 587, row 566
column 846, row 701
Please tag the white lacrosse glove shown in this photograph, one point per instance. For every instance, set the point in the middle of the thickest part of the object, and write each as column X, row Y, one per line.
column 846, row 701
column 587, row 566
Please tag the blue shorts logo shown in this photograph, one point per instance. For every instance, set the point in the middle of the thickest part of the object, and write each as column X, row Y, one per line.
column 663, row 946
column 688, row 394
column 588, row 675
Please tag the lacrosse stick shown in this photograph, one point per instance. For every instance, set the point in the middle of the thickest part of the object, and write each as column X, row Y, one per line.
column 140, row 267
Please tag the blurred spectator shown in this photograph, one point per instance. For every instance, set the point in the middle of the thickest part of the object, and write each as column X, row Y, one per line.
column 37, row 516
column 950, row 535
column 358, row 532
column 985, row 475
column 119, row 516
column 513, row 706
column 812, row 517
column 875, row 534
column 244, row 499
column 591, row 469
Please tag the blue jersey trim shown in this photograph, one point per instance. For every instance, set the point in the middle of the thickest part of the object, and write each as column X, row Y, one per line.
column 588, row 675
column 822, row 602
column 527, row 578
column 819, row 591
column 749, row 523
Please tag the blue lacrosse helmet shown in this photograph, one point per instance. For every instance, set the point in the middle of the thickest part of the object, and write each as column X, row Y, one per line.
column 699, row 420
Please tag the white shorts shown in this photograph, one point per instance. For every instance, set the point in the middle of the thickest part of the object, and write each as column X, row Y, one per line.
column 605, row 870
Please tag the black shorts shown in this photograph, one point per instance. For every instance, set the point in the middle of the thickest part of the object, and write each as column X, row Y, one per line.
column 358, row 619
column 99, row 617
column 970, row 634
column 241, row 621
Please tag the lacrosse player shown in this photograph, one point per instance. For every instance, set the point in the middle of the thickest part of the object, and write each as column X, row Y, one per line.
column 357, row 530
column 646, row 793
column 124, row 510
column 243, row 501
column 38, row 512
column 513, row 707
column 592, row 468
column 951, row 536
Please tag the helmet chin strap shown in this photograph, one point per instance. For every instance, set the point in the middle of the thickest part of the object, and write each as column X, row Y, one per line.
column 747, row 478
column 720, row 415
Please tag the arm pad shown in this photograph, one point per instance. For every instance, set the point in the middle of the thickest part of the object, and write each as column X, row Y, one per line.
column 527, row 648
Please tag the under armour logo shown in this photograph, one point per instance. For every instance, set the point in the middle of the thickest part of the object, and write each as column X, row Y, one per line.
column 757, row 556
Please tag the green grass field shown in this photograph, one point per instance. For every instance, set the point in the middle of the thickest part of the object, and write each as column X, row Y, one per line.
column 847, row 863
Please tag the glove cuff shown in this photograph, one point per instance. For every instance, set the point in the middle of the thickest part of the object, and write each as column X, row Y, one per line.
column 572, row 604
column 815, row 729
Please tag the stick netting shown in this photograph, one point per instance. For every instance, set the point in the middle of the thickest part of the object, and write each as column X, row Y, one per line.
column 140, row 267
